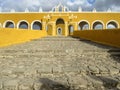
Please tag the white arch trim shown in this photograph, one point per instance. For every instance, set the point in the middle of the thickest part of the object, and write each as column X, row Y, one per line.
column 8, row 21
column 22, row 21
column 98, row 21
column 0, row 25
column 84, row 21
column 112, row 21
column 34, row 22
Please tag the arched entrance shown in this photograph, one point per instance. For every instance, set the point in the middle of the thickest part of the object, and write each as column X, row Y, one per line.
column 71, row 29
column 60, row 27
column 59, row 31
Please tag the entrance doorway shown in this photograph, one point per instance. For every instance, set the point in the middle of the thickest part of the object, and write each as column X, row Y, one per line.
column 60, row 27
column 59, row 31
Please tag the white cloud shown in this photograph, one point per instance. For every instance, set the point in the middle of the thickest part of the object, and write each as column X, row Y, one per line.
column 76, row 2
column 33, row 5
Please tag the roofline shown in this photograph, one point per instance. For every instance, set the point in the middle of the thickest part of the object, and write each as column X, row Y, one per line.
column 53, row 12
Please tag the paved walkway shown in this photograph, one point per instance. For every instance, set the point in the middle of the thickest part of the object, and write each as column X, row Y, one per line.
column 59, row 63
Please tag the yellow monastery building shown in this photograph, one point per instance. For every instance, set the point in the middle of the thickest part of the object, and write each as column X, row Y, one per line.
column 60, row 20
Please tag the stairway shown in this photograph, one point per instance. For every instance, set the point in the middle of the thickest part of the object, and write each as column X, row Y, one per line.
column 58, row 63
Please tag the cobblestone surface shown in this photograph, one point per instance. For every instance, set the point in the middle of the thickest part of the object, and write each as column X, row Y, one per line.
column 59, row 63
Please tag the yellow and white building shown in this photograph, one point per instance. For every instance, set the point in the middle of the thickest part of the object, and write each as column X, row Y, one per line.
column 60, row 20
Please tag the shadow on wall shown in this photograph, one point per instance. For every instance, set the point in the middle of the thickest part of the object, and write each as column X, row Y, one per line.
column 99, row 45
column 48, row 84
column 115, row 54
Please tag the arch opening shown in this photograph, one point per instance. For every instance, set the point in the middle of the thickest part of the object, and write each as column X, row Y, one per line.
column 37, row 26
column 23, row 25
column 60, row 27
column 112, row 25
column 71, row 29
column 83, row 25
column 97, row 26
column 9, row 24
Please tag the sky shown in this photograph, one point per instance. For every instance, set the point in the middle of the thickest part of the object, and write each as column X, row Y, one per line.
column 73, row 5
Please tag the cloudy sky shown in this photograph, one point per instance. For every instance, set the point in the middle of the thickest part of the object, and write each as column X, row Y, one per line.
column 34, row 5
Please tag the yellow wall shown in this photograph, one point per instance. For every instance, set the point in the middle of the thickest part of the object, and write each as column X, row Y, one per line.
column 71, row 18
column 13, row 36
column 108, row 37
column 49, row 31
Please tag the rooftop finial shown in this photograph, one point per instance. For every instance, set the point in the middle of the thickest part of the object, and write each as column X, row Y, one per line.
column 94, row 10
column 12, row 10
column 109, row 10
column 40, row 9
column 80, row 9
column 26, row 10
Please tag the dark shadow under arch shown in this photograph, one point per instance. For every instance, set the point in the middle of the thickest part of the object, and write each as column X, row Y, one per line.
column 23, row 25
column 112, row 25
column 9, row 24
column 97, row 25
column 83, row 25
column 37, row 25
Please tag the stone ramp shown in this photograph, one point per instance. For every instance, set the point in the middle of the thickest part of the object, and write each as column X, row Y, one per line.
column 59, row 63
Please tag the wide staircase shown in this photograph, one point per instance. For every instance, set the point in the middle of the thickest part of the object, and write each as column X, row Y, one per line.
column 59, row 63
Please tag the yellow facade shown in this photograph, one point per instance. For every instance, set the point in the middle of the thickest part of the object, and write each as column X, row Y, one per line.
column 60, row 23
column 10, row 36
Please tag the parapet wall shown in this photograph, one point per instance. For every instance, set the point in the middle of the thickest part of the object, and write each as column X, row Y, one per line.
column 107, row 37
column 14, row 36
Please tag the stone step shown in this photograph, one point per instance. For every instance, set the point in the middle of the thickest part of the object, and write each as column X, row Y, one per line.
column 58, row 63
column 68, row 82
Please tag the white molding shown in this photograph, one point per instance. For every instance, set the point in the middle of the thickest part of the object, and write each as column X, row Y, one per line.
column 113, row 21
column 4, row 24
column 0, row 25
column 22, row 21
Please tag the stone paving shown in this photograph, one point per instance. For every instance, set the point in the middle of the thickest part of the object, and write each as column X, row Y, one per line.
column 59, row 63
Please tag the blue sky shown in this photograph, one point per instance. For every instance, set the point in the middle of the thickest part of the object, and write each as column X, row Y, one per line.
column 33, row 5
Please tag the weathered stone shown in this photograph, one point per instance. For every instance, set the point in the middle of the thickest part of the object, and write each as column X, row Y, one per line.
column 11, row 84
column 118, row 86
column 78, row 80
column 70, row 69
column 1, row 85
column 37, row 85
column 57, row 69
column 114, row 71
column 103, row 70
column 44, row 69
column 94, row 69
column 26, row 84
column 65, row 62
